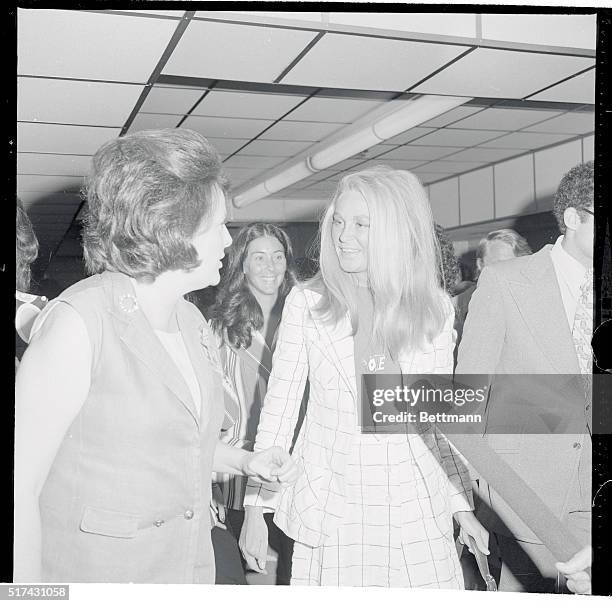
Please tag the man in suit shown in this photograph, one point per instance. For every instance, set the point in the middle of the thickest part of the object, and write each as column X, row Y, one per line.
column 496, row 246
column 527, row 316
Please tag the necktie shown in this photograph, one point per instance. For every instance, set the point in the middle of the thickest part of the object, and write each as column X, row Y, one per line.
column 582, row 333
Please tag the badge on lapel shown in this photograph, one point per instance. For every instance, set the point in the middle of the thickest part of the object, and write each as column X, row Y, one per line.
column 211, row 352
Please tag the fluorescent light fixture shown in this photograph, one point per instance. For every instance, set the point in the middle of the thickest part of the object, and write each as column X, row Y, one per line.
column 291, row 175
column 414, row 113
column 411, row 114
column 251, row 195
column 344, row 149
column 288, row 177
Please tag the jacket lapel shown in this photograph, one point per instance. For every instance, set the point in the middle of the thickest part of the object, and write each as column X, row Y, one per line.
column 204, row 355
column 542, row 308
column 140, row 339
column 337, row 345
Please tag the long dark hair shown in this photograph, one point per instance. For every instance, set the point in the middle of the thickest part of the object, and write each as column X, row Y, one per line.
column 26, row 248
column 236, row 313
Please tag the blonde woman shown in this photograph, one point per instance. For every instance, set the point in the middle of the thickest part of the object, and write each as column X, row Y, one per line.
column 367, row 510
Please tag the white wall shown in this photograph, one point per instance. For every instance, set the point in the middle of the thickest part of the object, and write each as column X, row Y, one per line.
column 524, row 185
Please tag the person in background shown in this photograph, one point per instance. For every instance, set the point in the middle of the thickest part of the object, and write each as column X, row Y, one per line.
column 259, row 274
column 534, row 315
column 27, row 305
column 450, row 274
column 119, row 397
column 367, row 510
column 496, row 246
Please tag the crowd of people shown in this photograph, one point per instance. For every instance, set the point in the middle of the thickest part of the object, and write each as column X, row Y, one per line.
column 156, row 444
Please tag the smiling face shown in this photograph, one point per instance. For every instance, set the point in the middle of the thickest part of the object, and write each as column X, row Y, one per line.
column 264, row 265
column 350, row 232
column 210, row 241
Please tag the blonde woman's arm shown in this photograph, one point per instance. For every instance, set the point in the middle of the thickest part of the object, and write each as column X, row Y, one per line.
column 51, row 386
column 277, row 423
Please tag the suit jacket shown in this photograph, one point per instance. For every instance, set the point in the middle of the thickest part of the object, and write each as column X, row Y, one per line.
column 517, row 325
column 311, row 509
column 127, row 496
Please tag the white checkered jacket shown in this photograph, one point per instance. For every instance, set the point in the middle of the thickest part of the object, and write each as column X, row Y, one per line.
column 310, row 509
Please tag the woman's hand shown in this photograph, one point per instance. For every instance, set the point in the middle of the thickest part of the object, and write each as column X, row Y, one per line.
column 253, row 540
column 471, row 527
column 271, row 465
column 576, row 571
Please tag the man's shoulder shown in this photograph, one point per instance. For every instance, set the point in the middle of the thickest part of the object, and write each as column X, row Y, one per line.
column 519, row 267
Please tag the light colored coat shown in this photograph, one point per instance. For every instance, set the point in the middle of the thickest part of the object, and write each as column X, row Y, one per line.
column 517, row 324
column 310, row 510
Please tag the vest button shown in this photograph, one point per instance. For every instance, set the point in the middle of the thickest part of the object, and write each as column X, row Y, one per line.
column 158, row 523
column 188, row 514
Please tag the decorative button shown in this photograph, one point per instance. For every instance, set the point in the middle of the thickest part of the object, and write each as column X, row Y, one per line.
column 588, row 407
column 128, row 303
column 188, row 514
column 576, row 445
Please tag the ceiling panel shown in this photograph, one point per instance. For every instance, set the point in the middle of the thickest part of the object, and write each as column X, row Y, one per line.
column 60, row 139
column 171, row 100
column 444, row 166
column 94, row 46
column 398, row 164
column 227, row 146
column 154, row 121
column 450, row 137
column 418, row 152
column 288, row 130
column 578, row 31
column 243, row 161
column 344, row 165
column 49, row 183
column 524, row 140
column 451, row 116
column 481, row 154
column 246, row 105
column 498, row 118
column 237, row 176
column 440, row 24
column 235, row 128
column 426, row 177
column 235, row 52
column 75, row 102
column 488, row 72
column 52, row 164
column 324, row 109
column 344, row 61
column 571, row 123
column 580, row 89
column 408, row 135
column 276, row 148
column 256, row 16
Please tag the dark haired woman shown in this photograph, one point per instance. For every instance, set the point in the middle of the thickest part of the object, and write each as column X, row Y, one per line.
column 260, row 273
column 27, row 305
column 117, row 436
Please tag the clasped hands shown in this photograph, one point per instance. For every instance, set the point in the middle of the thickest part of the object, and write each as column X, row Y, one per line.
column 271, row 465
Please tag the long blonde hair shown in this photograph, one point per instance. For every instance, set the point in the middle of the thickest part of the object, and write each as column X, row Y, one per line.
column 410, row 307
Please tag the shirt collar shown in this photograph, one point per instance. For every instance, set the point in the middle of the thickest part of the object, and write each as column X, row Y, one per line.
column 571, row 270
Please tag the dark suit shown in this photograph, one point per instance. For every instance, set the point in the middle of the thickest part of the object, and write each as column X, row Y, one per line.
column 517, row 325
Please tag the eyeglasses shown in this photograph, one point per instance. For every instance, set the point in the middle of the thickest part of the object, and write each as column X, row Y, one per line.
column 586, row 210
